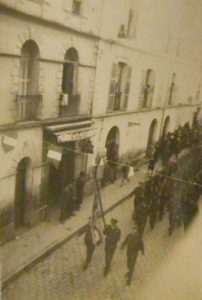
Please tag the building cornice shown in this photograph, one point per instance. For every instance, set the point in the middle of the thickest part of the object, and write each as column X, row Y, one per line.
column 48, row 22
column 89, row 35
column 42, row 123
column 140, row 111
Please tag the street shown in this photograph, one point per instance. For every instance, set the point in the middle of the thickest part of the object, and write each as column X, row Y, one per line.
column 60, row 275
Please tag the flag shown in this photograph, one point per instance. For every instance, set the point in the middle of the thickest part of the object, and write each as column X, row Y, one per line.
column 52, row 154
column 96, row 213
column 131, row 172
column 102, row 162
column 96, row 210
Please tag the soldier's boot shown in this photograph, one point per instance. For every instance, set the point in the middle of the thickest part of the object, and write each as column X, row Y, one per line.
column 106, row 270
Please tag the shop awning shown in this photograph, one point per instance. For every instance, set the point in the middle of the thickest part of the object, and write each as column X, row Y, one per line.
column 72, row 131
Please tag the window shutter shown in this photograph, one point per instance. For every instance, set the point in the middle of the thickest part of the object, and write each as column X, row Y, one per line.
column 142, row 88
column 112, row 87
column 127, row 88
column 151, row 82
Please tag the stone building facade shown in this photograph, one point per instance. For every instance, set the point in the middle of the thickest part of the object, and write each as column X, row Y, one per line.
column 113, row 73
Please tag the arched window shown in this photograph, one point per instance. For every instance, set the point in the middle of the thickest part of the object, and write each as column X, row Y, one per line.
column 119, row 87
column 70, row 72
column 29, row 68
column 147, row 88
column 28, row 100
column 172, row 90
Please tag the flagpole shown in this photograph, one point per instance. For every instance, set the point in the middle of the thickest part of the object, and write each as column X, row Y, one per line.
column 99, row 195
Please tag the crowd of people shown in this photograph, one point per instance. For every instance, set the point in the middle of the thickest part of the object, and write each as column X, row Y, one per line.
column 177, row 187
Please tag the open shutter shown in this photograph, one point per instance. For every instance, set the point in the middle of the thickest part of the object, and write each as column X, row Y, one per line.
column 151, row 82
column 112, row 87
column 142, row 89
column 127, row 88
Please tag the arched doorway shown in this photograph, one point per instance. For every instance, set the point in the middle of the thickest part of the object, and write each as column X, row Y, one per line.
column 151, row 137
column 166, row 126
column 112, row 154
column 22, row 191
column 112, row 144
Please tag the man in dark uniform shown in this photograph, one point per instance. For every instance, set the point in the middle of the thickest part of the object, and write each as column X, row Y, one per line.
column 113, row 235
column 141, row 216
column 79, row 184
column 67, row 202
column 134, row 243
column 92, row 238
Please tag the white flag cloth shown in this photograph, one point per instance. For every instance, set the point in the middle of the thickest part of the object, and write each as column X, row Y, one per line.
column 65, row 100
column 10, row 141
column 54, row 155
column 102, row 162
column 131, row 172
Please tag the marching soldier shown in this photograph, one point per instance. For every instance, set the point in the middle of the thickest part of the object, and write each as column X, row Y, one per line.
column 134, row 243
column 79, row 184
column 113, row 235
column 92, row 238
column 67, row 202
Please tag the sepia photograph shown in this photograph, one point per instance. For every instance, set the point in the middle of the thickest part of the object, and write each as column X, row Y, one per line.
column 101, row 149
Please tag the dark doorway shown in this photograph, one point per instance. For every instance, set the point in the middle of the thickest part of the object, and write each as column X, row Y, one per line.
column 21, row 192
column 67, row 164
column 166, row 125
column 61, row 175
column 53, row 185
column 151, row 137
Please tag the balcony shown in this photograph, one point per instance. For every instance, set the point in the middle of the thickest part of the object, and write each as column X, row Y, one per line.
column 70, row 107
column 29, row 107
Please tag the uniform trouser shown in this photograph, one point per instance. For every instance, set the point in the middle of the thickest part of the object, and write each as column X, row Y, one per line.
column 79, row 200
column 171, row 222
column 161, row 209
column 131, row 260
column 109, row 253
column 153, row 217
column 89, row 253
column 141, row 221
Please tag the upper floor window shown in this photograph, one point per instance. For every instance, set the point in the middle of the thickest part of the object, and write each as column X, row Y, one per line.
column 132, row 24
column 172, row 90
column 29, row 101
column 77, row 7
column 198, row 93
column 70, row 72
column 119, row 87
column 29, row 68
column 147, row 88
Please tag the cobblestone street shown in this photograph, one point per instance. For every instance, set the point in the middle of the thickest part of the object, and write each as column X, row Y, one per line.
column 60, row 275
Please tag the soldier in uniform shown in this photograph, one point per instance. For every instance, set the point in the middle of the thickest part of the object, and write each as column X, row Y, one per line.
column 113, row 235
column 79, row 184
column 134, row 243
column 67, row 202
column 92, row 238
column 141, row 216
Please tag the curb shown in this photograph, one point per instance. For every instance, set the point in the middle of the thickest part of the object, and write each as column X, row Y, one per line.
column 50, row 249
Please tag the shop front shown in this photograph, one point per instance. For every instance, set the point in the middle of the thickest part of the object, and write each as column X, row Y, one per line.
column 65, row 156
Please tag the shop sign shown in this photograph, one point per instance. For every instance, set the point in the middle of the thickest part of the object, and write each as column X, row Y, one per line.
column 74, row 135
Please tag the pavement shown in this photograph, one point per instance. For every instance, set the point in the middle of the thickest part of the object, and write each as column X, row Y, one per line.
column 34, row 244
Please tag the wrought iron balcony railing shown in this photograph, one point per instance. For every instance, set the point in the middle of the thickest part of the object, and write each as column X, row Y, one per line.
column 29, row 107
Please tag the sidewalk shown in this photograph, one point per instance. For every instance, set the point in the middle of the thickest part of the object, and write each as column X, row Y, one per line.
column 36, row 243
